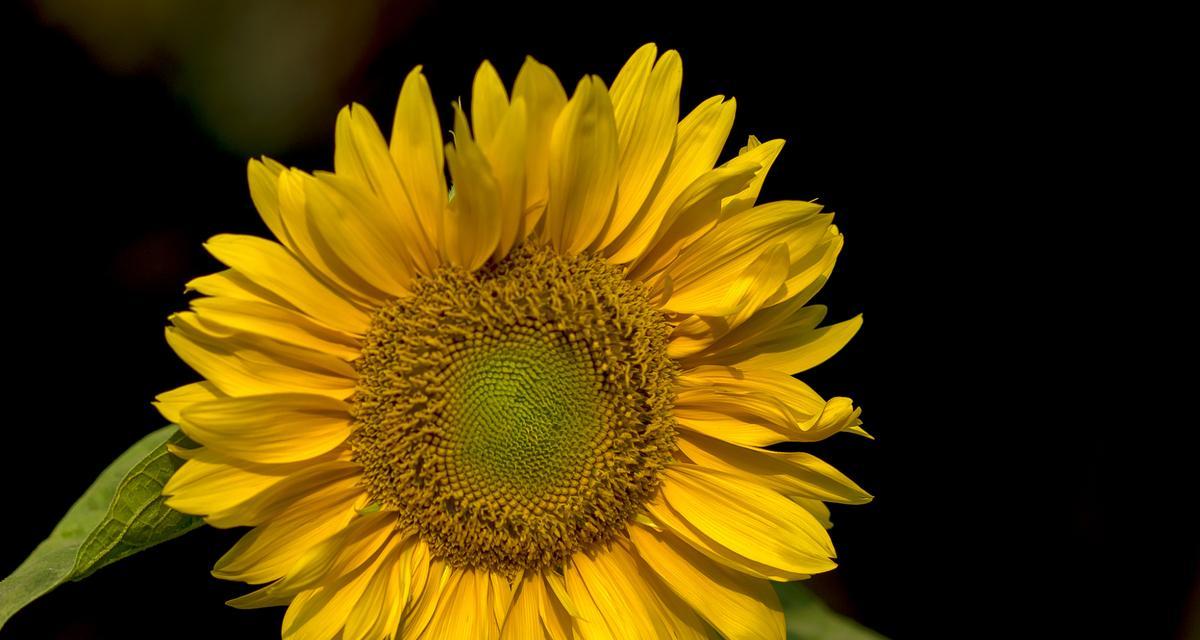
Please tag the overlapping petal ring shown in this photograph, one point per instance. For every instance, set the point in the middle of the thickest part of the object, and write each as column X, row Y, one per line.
column 544, row 402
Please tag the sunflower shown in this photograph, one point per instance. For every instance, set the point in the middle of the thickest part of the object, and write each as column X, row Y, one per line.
column 542, row 402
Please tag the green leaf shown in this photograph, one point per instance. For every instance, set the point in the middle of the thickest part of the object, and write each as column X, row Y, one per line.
column 810, row 619
column 122, row 513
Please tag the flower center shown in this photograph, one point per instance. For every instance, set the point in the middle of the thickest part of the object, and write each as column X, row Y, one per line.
column 518, row 414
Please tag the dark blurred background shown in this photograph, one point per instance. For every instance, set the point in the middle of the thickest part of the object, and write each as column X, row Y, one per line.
column 128, row 125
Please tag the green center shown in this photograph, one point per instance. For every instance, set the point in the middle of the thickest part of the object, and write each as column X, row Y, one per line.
column 524, row 410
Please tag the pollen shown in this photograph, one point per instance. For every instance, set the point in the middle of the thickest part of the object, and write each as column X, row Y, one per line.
column 518, row 414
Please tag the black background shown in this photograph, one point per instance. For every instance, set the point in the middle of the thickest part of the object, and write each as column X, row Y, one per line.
column 997, row 513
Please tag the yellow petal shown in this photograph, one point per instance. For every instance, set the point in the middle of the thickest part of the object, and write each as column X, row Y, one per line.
column 263, row 177
column 327, row 609
column 587, row 621
column 736, row 605
column 471, row 223
column 210, row 482
column 791, row 391
column 270, row 266
column 760, row 285
column 785, row 335
column 269, row 429
column 273, row 352
column 376, row 615
column 235, row 286
column 695, row 334
column 745, row 294
column 819, row 510
column 700, row 336
column 629, row 87
column 362, row 540
column 304, row 483
column 462, row 610
column 752, row 408
column 322, row 614
column 764, row 154
column 419, row 622
column 505, row 152
column 583, row 168
column 698, row 141
column 710, row 266
column 170, row 403
column 793, row 474
column 524, row 619
column 499, row 597
column 804, row 278
column 558, row 589
column 489, row 103
column 319, row 614
column 416, row 149
column 248, row 365
column 616, row 591
column 748, row 419
column 544, row 99
column 748, row 519
column 282, row 324
column 755, row 419
column 362, row 232
column 791, row 347
column 236, row 377
column 312, row 250
column 679, row 619
column 814, row 267
column 268, row 551
column 692, row 215
column 701, row 136
column 665, row 518
column 555, row 607
column 361, row 153
column 734, row 429
column 799, row 401
column 839, row 415
column 415, row 569
column 647, row 115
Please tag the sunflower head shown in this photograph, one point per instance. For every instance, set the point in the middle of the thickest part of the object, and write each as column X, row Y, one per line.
column 517, row 414
column 539, row 399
